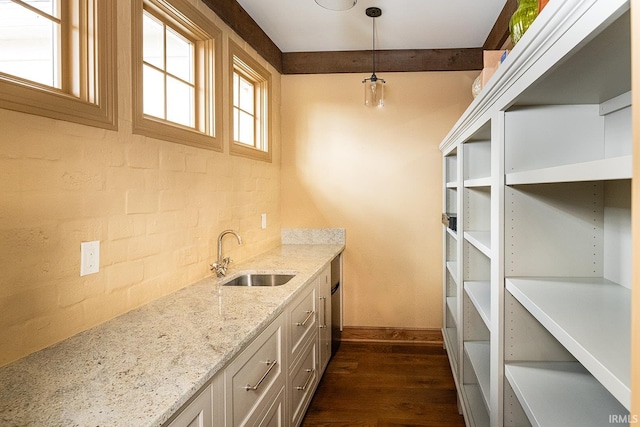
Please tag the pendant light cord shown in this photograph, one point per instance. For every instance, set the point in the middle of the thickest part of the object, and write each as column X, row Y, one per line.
column 374, row 45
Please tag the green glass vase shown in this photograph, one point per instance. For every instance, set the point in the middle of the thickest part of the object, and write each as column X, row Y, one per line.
column 522, row 18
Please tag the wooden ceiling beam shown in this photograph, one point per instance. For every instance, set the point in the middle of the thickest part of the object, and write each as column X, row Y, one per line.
column 500, row 31
column 359, row 61
column 239, row 20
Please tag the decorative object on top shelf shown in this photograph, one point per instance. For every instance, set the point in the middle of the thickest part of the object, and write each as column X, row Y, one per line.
column 492, row 60
column 337, row 5
column 542, row 4
column 522, row 18
column 373, row 86
column 476, row 87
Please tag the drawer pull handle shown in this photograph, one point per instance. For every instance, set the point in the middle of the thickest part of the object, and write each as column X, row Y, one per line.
column 270, row 364
column 309, row 378
column 304, row 322
column 324, row 312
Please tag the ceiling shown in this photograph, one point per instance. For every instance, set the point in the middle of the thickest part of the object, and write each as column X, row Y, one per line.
column 304, row 26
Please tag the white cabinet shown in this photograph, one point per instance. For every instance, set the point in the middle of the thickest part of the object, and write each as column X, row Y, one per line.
column 303, row 380
column 538, row 289
column 324, row 318
column 271, row 382
column 254, row 378
column 303, row 320
column 309, row 343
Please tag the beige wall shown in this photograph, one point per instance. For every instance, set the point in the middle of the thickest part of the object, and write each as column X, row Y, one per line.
column 378, row 173
column 156, row 207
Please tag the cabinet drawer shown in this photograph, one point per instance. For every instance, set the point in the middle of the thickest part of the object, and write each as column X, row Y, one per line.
column 253, row 374
column 303, row 381
column 274, row 416
column 198, row 413
column 303, row 319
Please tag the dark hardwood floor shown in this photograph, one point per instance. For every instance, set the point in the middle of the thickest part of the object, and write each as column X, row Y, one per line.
column 386, row 384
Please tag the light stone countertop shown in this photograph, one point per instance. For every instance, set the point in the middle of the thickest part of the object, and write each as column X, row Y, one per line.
column 139, row 368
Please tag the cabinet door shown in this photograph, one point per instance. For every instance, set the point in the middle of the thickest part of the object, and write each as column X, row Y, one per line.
column 303, row 381
column 303, row 319
column 324, row 316
column 274, row 417
column 253, row 378
column 199, row 413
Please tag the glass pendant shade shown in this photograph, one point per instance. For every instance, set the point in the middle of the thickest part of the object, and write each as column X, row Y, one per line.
column 374, row 92
column 373, row 86
column 337, row 4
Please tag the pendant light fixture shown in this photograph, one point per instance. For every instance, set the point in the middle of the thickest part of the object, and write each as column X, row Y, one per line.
column 337, row 4
column 374, row 86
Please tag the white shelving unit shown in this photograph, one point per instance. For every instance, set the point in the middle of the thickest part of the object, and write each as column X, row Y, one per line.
column 451, row 243
column 541, row 259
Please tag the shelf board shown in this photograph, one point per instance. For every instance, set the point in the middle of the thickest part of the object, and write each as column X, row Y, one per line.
column 590, row 317
column 479, row 414
column 478, row 182
column 479, row 356
column 481, row 240
column 452, row 304
column 452, row 233
column 480, row 295
column 452, row 185
column 561, row 393
column 597, row 170
column 452, row 268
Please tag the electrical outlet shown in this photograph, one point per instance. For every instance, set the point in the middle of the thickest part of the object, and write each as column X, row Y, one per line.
column 264, row 220
column 89, row 257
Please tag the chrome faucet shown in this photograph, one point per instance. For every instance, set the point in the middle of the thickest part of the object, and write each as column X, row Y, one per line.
column 222, row 264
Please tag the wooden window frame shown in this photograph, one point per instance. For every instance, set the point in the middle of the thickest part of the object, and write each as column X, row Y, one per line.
column 188, row 21
column 251, row 70
column 89, row 93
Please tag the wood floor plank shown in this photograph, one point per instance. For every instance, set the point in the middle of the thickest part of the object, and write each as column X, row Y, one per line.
column 386, row 385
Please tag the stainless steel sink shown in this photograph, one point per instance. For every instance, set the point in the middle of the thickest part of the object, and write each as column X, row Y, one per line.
column 260, row 279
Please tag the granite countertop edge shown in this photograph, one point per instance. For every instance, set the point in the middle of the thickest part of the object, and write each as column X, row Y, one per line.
column 141, row 367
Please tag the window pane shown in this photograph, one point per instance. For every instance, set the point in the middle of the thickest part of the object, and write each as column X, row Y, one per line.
column 180, row 102
column 152, row 41
column 153, row 92
column 236, row 90
column 29, row 45
column 179, row 56
column 245, row 124
column 246, row 95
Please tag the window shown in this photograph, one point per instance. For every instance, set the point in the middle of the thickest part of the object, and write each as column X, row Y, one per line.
column 250, row 106
column 57, row 59
column 176, row 73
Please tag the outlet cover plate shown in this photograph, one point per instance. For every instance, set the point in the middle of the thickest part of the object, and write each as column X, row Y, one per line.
column 89, row 257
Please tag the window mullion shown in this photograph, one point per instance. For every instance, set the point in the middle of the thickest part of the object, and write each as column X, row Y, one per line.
column 164, row 69
column 256, row 116
column 66, row 45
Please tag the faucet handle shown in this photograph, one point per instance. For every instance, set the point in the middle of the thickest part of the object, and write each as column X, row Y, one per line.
column 227, row 261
